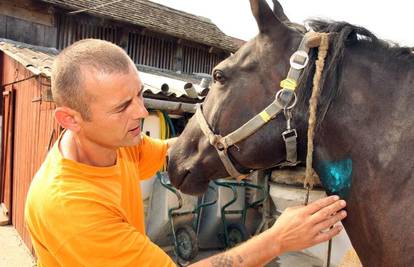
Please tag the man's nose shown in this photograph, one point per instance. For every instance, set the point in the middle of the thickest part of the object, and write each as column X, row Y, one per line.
column 139, row 110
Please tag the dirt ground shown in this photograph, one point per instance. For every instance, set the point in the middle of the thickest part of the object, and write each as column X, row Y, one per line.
column 13, row 252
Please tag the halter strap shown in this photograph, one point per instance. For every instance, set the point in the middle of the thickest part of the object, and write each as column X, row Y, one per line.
column 216, row 141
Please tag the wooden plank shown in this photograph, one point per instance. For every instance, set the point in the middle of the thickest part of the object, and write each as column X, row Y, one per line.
column 178, row 58
column 18, row 30
column 37, row 34
column 141, row 46
column 50, row 36
column 172, row 54
column 123, row 37
column 26, row 11
column 2, row 26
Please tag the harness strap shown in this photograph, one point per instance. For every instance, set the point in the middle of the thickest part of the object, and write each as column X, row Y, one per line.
column 230, row 168
column 215, row 140
column 253, row 124
column 291, row 148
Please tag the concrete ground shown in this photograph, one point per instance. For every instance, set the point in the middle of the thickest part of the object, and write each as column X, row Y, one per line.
column 13, row 252
column 293, row 259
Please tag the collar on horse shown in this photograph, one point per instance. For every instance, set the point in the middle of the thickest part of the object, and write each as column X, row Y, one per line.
column 285, row 100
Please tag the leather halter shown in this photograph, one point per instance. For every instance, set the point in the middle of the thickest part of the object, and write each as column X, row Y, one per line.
column 282, row 102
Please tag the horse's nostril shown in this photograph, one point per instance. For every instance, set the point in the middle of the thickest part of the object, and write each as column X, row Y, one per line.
column 186, row 173
column 178, row 182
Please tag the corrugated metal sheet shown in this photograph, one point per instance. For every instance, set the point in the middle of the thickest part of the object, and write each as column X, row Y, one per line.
column 32, row 130
column 38, row 60
column 155, row 84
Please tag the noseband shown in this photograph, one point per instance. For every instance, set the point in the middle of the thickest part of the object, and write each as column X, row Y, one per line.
column 285, row 100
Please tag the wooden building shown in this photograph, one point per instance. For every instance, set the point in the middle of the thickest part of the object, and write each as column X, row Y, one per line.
column 152, row 34
column 170, row 48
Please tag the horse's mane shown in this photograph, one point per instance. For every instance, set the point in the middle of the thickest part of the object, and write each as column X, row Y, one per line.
column 351, row 34
column 342, row 35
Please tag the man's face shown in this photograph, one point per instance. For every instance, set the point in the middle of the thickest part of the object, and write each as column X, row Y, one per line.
column 116, row 109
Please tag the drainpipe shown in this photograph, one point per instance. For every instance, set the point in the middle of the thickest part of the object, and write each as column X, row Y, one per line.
column 169, row 105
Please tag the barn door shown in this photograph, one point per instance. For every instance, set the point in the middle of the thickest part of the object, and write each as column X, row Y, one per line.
column 7, row 156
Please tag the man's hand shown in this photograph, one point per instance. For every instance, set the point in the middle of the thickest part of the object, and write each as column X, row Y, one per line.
column 297, row 228
column 304, row 226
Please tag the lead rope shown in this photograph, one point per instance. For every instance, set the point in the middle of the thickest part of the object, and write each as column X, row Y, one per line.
column 313, row 103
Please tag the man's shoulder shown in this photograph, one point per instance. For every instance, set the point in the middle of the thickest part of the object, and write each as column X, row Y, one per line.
column 58, row 194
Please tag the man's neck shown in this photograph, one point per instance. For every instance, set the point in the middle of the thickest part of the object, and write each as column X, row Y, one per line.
column 82, row 150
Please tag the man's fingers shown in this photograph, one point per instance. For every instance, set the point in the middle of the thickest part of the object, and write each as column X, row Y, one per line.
column 331, row 221
column 325, row 236
column 321, row 203
column 327, row 211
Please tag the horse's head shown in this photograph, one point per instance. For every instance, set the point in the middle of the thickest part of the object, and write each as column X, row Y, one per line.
column 244, row 84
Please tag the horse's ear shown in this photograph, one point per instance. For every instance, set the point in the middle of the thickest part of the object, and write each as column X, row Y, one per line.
column 278, row 11
column 265, row 18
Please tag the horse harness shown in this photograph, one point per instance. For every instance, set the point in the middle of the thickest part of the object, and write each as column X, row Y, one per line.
column 285, row 100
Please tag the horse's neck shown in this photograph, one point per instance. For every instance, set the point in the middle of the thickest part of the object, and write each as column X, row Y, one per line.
column 368, row 135
column 371, row 118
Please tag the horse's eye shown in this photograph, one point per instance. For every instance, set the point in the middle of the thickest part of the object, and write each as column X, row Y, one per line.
column 218, row 76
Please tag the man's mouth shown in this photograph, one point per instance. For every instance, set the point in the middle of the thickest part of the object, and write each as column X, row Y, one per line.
column 135, row 131
column 136, row 128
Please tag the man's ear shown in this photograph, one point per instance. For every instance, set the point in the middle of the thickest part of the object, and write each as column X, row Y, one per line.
column 68, row 118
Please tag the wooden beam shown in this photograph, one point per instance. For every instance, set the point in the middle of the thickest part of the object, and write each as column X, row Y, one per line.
column 214, row 50
column 27, row 10
column 178, row 59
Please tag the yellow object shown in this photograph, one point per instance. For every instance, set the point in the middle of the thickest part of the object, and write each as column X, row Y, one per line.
column 164, row 132
column 288, row 84
column 265, row 116
column 162, row 124
column 350, row 259
column 80, row 215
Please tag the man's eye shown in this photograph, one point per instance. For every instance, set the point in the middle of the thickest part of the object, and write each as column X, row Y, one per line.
column 121, row 110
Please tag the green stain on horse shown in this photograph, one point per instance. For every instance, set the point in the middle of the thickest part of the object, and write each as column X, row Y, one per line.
column 336, row 176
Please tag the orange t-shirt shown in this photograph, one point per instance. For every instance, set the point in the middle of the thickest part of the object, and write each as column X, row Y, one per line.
column 80, row 215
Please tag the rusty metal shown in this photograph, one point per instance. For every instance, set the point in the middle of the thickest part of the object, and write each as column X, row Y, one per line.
column 19, row 81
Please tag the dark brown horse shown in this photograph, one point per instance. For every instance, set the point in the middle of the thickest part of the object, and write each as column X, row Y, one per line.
column 364, row 140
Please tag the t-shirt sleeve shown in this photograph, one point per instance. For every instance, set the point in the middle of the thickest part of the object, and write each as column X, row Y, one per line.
column 152, row 155
column 110, row 242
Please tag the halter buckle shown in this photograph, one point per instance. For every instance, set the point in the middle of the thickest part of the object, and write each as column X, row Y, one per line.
column 281, row 100
column 220, row 146
column 290, row 133
column 299, row 60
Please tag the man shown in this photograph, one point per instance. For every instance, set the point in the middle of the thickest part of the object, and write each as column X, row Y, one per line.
column 84, row 205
